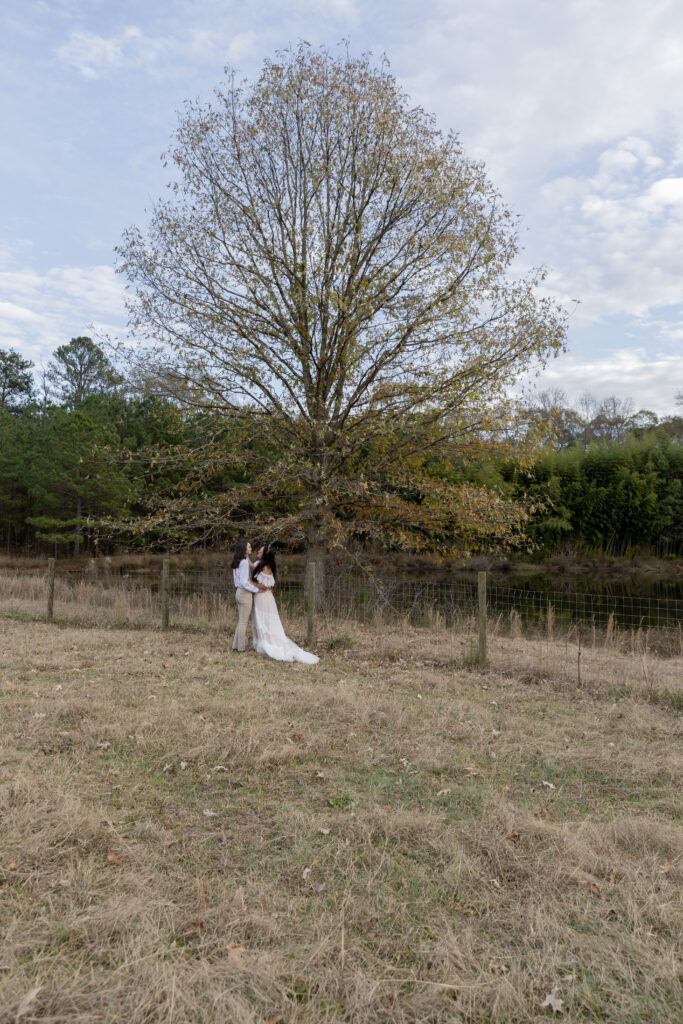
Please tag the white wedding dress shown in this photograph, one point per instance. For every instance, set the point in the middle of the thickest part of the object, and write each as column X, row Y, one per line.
column 269, row 636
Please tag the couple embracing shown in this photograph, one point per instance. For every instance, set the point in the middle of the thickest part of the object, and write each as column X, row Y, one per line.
column 254, row 585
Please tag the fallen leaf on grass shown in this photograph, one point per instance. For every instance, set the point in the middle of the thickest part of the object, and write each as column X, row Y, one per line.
column 277, row 1019
column 235, row 952
column 553, row 1002
column 664, row 869
column 305, row 873
column 505, row 789
column 27, row 1002
column 591, row 886
column 513, row 837
column 114, row 858
column 12, row 866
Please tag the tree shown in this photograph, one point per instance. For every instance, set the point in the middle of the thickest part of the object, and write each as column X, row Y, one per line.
column 16, row 380
column 615, row 496
column 332, row 270
column 553, row 419
column 79, row 370
column 15, row 457
column 74, row 476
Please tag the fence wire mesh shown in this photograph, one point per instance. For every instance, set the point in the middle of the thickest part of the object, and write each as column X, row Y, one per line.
column 582, row 637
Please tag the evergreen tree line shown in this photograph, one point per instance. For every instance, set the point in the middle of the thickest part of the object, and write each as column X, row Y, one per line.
column 77, row 461
column 615, row 496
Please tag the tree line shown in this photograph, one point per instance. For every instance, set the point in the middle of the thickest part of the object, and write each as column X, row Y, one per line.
column 87, row 466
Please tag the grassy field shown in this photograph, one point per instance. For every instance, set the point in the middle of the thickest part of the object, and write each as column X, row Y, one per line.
column 187, row 835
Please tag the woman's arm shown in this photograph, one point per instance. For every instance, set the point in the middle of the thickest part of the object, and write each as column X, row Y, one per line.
column 243, row 578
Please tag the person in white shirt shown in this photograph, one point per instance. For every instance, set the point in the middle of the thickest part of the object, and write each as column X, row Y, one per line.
column 244, row 592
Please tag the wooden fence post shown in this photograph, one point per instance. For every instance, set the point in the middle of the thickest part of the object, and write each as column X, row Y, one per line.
column 310, row 605
column 165, row 588
column 50, row 589
column 481, row 588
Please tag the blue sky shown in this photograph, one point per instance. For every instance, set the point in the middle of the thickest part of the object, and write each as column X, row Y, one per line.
column 576, row 108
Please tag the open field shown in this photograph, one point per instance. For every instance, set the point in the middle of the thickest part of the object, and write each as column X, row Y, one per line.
column 187, row 835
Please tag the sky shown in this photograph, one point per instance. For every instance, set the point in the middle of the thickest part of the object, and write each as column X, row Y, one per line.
column 576, row 108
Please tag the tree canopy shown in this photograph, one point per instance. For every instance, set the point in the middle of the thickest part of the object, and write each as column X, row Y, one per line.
column 333, row 269
column 77, row 371
column 16, row 380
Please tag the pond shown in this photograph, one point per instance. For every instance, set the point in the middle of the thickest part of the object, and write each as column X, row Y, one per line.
column 533, row 599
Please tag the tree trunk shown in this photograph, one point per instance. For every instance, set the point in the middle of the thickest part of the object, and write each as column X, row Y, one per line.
column 316, row 552
column 77, row 542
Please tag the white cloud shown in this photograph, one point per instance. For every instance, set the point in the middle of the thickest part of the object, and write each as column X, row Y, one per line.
column 532, row 85
column 13, row 314
column 666, row 192
column 619, row 233
column 39, row 312
column 95, row 55
column 652, row 380
column 195, row 36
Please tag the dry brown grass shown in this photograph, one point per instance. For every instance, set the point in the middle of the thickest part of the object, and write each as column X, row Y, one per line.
column 187, row 835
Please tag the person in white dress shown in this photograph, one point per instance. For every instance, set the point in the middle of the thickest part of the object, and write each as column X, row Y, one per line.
column 267, row 631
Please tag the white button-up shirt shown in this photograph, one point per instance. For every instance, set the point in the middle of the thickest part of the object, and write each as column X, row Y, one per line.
column 241, row 577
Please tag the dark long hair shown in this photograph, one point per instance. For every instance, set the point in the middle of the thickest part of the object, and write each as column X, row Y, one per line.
column 240, row 553
column 268, row 560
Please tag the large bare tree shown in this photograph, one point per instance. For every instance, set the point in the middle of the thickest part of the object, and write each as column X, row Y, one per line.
column 331, row 268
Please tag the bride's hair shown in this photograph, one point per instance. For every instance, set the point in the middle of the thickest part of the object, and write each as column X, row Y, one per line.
column 240, row 553
column 268, row 559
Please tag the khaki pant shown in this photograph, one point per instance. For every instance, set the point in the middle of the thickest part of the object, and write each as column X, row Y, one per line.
column 244, row 600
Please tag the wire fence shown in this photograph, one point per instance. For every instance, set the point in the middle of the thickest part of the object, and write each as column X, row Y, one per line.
column 576, row 636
